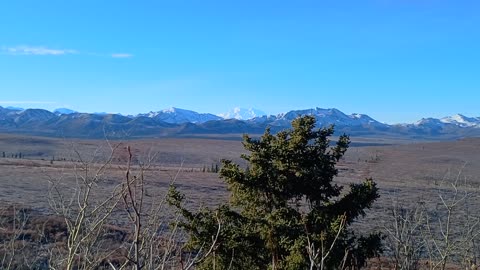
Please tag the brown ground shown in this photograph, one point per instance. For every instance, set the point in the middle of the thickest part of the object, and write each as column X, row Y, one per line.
column 408, row 171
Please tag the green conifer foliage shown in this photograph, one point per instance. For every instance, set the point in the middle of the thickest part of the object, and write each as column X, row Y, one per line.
column 283, row 203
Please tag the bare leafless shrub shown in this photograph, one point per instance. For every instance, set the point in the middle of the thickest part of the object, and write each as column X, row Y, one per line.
column 84, row 217
column 439, row 230
column 21, row 245
column 12, row 234
column 403, row 232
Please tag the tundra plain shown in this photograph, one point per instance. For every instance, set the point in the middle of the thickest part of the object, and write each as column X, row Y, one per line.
column 405, row 172
column 407, row 169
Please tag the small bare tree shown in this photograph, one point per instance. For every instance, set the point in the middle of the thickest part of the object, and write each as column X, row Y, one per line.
column 152, row 245
column 84, row 216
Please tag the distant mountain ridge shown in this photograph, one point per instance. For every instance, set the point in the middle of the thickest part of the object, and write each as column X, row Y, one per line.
column 180, row 122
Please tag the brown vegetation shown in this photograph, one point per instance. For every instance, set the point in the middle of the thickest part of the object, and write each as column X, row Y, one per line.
column 409, row 173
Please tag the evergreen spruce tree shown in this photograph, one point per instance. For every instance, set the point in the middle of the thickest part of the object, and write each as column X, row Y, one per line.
column 285, row 210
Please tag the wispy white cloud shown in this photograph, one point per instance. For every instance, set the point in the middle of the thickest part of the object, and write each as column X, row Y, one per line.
column 32, row 50
column 41, row 50
column 121, row 55
column 9, row 102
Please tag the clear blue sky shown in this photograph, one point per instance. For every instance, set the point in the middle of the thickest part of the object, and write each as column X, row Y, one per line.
column 397, row 61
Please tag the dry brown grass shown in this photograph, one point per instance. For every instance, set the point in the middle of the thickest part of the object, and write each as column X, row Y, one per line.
column 409, row 171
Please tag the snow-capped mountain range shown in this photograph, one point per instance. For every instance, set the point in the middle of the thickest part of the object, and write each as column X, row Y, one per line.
column 180, row 116
column 457, row 120
column 181, row 122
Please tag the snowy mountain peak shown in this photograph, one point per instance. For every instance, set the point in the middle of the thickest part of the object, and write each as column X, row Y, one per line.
column 171, row 110
column 461, row 120
column 242, row 113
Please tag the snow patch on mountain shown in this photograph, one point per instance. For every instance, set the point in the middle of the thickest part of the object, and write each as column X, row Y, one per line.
column 242, row 114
